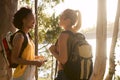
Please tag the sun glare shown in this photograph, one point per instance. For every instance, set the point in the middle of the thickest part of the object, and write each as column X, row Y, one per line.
column 88, row 9
column 111, row 10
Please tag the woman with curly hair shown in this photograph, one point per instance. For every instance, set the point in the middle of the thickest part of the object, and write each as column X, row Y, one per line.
column 24, row 21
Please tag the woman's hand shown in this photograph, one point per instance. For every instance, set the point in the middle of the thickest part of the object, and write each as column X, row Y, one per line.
column 40, row 60
column 40, row 63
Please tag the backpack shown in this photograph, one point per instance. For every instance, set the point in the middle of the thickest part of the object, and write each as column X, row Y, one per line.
column 79, row 65
column 7, row 47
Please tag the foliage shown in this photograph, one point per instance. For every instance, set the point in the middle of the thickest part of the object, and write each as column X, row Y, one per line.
column 47, row 24
column 48, row 31
column 27, row 1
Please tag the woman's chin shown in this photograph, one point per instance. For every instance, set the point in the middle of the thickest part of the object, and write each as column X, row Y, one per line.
column 31, row 27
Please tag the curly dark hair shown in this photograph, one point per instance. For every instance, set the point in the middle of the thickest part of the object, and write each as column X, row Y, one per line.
column 20, row 15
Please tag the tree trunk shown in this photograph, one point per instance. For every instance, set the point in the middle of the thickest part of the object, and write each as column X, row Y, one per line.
column 100, row 61
column 36, row 36
column 7, row 9
column 114, row 40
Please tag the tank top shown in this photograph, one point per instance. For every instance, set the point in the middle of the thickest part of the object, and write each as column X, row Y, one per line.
column 28, row 54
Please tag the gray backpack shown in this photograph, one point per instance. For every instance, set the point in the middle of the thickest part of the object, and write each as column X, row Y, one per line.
column 79, row 65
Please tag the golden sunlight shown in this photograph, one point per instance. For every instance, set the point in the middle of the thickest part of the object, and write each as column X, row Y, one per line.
column 88, row 9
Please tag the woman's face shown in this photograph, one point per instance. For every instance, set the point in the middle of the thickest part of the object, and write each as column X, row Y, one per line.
column 29, row 21
column 62, row 20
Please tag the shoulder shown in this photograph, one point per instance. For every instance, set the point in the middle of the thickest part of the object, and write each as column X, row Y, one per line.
column 80, row 35
column 64, row 35
column 18, row 37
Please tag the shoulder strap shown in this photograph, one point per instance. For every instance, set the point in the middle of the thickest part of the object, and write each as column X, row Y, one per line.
column 68, row 32
column 56, row 64
column 74, row 40
column 24, row 44
column 3, row 51
column 69, row 44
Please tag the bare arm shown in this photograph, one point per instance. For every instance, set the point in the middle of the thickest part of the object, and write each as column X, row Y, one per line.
column 17, row 44
column 62, row 49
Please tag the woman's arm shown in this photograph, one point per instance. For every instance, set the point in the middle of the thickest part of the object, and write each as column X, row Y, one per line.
column 17, row 44
column 62, row 49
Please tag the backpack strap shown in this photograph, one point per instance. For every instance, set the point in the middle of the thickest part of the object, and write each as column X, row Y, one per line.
column 24, row 44
column 3, row 52
column 68, row 32
column 69, row 42
column 56, row 64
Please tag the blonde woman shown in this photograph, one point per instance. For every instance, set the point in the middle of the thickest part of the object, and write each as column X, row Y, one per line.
column 70, row 20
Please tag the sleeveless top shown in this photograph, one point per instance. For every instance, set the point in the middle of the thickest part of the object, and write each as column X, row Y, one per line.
column 28, row 54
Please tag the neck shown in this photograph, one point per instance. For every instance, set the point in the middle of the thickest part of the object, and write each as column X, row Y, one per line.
column 70, row 29
column 26, row 30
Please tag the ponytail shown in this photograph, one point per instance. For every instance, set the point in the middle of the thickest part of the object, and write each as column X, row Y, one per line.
column 78, row 21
